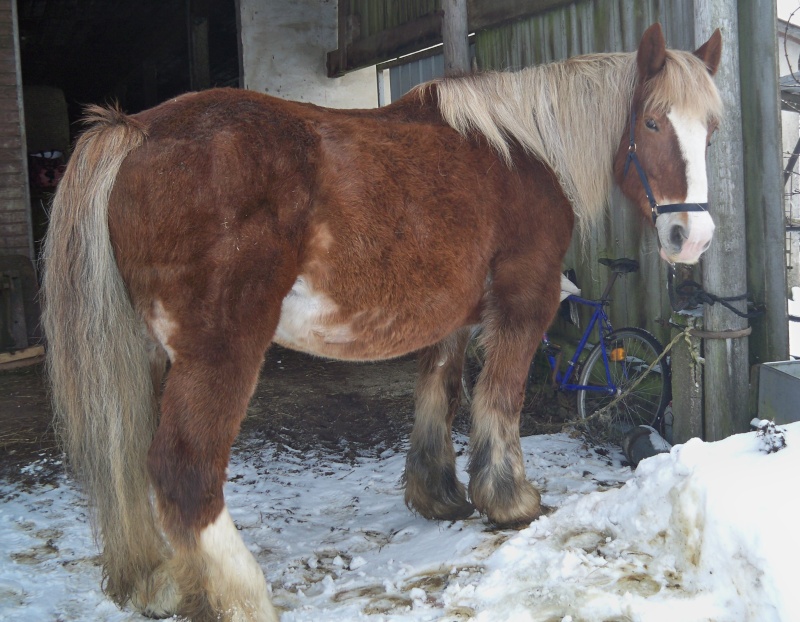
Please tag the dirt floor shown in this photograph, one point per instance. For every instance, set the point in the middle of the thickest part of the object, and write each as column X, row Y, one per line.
column 301, row 402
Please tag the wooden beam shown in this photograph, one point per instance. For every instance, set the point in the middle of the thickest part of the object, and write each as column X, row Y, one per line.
column 726, row 374
column 21, row 358
column 423, row 31
column 345, row 36
column 763, row 165
column 404, row 39
column 485, row 14
column 455, row 36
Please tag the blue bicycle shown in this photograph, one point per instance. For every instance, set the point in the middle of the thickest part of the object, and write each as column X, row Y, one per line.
column 621, row 373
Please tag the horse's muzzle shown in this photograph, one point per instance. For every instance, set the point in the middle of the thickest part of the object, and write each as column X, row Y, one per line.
column 684, row 237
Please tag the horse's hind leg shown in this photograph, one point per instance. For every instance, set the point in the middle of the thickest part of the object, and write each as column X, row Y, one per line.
column 432, row 488
column 211, row 380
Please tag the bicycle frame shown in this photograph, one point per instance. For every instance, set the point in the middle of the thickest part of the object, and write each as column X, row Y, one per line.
column 600, row 319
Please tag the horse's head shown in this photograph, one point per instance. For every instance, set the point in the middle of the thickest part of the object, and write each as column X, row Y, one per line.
column 661, row 161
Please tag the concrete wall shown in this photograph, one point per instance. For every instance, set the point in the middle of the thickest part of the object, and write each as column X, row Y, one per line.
column 284, row 47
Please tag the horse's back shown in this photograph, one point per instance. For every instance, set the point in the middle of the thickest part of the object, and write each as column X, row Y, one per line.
column 371, row 233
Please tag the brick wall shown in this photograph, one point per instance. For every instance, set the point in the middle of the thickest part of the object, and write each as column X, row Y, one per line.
column 15, row 220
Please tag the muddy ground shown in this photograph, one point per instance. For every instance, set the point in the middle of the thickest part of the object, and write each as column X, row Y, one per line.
column 301, row 402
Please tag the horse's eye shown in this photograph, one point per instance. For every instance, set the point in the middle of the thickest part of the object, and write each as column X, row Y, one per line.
column 651, row 125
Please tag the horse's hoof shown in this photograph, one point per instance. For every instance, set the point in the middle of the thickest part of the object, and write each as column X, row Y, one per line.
column 456, row 512
column 438, row 510
column 518, row 512
column 515, row 525
column 157, row 597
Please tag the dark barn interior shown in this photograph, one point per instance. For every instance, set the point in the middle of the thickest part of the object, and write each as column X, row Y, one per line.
column 137, row 52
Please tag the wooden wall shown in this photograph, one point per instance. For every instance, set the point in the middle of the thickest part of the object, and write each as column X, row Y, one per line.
column 15, row 224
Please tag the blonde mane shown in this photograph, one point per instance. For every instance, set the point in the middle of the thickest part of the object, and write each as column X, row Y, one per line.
column 572, row 114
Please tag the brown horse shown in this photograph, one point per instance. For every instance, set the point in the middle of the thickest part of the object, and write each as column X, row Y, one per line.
column 193, row 235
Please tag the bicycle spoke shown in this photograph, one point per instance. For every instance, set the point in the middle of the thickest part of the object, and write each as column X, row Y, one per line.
column 642, row 383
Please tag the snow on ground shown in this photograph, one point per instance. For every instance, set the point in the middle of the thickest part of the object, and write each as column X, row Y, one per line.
column 708, row 532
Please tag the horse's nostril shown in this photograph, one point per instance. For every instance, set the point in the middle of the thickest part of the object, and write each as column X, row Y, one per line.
column 677, row 235
column 706, row 245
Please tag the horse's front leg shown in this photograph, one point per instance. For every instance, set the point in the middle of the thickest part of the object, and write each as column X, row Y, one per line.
column 522, row 303
column 432, row 488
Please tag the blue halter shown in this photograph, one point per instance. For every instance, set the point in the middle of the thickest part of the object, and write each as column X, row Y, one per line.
column 655, row 209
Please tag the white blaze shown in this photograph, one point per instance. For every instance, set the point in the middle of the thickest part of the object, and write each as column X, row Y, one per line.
column 691, row 133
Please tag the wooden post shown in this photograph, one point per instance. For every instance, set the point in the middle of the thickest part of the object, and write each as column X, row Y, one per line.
column 724, row 273
column 344, row 37
column 687, row 372
column 455, row 35
column 687, row 388
column 199, row 70
column 763, row 166
column 16, row 230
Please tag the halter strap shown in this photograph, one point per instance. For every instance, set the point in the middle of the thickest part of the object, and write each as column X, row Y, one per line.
column 655, row 209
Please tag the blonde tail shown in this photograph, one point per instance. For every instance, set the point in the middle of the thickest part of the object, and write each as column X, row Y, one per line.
column 97, row 357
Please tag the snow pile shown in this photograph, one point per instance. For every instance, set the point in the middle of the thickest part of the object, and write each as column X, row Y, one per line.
column 707, row 532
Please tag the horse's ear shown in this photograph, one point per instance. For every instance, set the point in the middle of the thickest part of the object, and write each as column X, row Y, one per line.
column 711, row 52
column 652, row 52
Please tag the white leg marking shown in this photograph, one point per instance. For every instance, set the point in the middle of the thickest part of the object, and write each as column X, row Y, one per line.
column 163, row 327
column 235, row 581
column 692, row 135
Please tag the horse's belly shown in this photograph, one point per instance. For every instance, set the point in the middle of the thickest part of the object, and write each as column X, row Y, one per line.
column 311, row 322
column 306, row 321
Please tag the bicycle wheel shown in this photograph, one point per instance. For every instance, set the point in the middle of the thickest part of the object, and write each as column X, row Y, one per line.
column 631, row 352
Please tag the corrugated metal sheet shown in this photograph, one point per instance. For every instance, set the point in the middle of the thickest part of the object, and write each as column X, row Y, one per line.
column 375, row 16
column 582, row 28
column 403, row 78
column 601, row 26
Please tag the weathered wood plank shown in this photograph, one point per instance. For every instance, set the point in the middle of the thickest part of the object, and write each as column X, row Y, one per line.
column 763, row 167
column 491, row 13
column 726, row 372
column 404, row 39
column 20, row 358
column 455, row 37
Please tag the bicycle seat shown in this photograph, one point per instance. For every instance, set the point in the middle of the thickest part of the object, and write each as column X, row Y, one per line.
column 621, row 266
